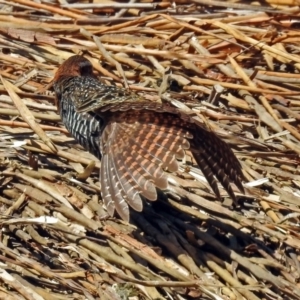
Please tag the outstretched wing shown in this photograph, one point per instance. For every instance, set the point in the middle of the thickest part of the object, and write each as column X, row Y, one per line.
column 138, row 146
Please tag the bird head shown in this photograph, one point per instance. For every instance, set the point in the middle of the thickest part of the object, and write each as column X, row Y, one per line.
column 74, row 66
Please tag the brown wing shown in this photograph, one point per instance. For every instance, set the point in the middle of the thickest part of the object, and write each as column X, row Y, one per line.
column 138, row 146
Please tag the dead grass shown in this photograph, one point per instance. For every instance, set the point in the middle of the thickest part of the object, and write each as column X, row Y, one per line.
column 235, row 64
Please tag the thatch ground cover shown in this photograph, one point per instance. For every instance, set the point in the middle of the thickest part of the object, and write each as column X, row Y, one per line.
column 235, row 64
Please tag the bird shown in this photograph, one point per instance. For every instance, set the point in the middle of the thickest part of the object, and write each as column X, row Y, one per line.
column 138, row 141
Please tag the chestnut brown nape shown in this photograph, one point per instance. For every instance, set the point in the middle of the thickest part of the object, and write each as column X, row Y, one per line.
column 75, row 65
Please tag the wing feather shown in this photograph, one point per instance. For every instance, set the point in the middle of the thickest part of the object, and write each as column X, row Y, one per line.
column 105, row 186
column 139, row 152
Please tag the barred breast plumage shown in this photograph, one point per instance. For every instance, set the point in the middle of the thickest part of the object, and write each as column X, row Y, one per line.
column 138, row 141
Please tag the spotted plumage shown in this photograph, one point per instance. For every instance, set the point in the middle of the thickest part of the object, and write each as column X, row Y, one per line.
column 138, row 141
